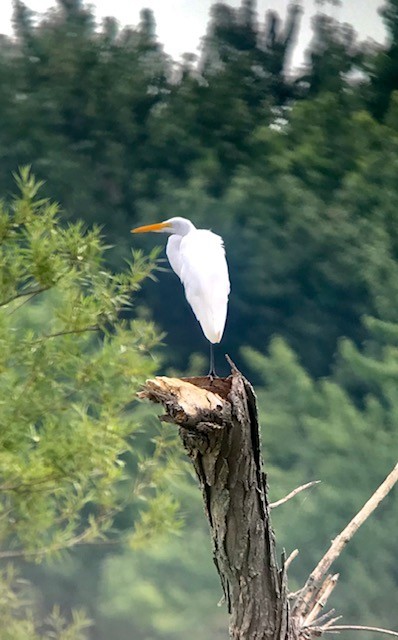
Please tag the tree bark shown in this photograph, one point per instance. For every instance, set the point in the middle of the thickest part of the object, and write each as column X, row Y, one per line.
column 219, row 429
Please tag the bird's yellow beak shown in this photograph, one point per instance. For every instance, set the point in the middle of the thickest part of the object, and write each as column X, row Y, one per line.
column 158, row 226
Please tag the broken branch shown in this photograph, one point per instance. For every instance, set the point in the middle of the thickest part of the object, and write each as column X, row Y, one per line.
column 303, row 604
column 290, row 559
column 293, row 493
column 322, row 598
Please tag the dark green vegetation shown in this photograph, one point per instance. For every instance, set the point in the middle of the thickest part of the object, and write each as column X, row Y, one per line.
column 299, row 175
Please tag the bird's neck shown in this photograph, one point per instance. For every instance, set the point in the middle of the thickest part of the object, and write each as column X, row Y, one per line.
column 184, row 227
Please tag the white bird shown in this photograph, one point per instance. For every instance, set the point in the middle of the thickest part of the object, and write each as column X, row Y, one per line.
column 197, row 256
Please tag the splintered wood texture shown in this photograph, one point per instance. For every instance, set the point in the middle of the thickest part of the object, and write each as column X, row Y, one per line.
column 219, row 429
column 187, row 405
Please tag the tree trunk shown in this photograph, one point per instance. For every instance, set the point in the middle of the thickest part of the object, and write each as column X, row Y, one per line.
column 219, row 429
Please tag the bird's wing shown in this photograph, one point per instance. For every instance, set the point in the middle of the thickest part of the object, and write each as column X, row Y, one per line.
column 203, row 270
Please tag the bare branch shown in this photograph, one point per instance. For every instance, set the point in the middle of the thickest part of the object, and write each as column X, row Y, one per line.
column 327, row 617
column 303, row 603
column 290, row 559
column 356, row 627
column 293, row 493
column 321, row 598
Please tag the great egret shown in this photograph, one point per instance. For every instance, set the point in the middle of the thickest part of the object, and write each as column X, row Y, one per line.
column 197, row 256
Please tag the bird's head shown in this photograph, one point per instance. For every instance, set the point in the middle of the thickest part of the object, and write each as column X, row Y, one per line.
column 177, row 226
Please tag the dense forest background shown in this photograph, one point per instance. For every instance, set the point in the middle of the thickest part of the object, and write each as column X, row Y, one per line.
column 298, row 171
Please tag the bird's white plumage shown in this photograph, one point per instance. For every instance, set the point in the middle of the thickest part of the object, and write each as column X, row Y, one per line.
column 198, row 258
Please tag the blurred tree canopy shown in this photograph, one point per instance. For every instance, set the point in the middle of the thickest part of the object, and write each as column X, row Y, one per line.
column 236, row 140
column 297, row 170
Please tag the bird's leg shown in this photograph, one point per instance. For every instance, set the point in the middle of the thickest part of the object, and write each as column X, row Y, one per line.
column 212, row 371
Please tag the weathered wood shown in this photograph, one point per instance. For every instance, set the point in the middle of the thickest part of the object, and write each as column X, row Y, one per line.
column 220, row 432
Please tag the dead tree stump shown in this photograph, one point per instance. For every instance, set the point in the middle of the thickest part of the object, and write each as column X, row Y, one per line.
column 219, row 428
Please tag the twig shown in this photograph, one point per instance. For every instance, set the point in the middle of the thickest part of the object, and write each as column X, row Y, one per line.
column 21, row 485
column 80, row 539
column 356, row 627
column 66, row 333
column 290, row 559
column 38, row 553
column 25, row 301
column 293, row 493
column 338, row 544
column 75, row 542
column 319, row 630
column 22, row 294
